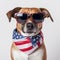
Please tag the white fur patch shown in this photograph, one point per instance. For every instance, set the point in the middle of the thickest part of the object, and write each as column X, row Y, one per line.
column 18, row 55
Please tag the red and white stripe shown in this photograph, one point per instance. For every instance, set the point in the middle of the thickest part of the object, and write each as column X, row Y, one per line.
column 26, row 46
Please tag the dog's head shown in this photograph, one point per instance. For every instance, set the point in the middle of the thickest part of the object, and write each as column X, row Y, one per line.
column 29, row 20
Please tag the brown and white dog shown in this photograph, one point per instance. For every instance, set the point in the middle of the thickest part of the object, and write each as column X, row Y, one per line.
column 29, row 23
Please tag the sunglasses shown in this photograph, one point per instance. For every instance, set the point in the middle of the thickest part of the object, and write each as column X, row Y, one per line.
column 22, row 17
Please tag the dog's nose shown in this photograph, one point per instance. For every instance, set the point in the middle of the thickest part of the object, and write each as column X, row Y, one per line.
column 30, row 26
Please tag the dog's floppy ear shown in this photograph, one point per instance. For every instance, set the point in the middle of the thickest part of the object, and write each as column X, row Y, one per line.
column 46, row 13
column 11, row 13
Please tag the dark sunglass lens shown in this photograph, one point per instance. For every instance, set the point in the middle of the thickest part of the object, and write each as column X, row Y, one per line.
column 38, row 16
column 22, row 17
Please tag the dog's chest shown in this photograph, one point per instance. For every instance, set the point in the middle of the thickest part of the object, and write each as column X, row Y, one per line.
column 37, row 55
column 28, row 47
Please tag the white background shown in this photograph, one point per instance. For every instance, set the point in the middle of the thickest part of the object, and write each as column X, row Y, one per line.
column 51, row 30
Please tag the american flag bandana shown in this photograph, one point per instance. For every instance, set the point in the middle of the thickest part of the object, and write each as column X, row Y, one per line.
column 27, row 44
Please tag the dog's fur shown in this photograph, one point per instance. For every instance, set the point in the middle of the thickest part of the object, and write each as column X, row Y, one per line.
column 19, row 28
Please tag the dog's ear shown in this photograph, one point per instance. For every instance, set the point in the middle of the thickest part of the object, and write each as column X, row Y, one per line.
column 11, row 13
column 46, row 13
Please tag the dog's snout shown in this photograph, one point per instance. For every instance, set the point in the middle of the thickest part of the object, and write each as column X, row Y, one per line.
column 30, row 26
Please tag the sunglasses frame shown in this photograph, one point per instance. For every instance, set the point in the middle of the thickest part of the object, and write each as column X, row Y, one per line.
column 19, row 15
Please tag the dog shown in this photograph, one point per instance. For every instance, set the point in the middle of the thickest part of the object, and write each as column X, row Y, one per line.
column 28, row 38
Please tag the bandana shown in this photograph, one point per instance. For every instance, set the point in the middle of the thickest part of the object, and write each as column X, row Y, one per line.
column 27, row 44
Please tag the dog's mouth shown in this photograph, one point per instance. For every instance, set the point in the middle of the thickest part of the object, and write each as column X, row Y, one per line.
column 29, row 33
column 29, row 29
